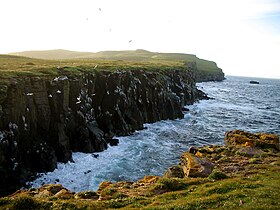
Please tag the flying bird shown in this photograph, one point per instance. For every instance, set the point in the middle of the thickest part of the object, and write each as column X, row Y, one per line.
column 130, row 41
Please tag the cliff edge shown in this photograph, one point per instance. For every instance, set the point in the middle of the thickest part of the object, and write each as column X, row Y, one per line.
column 47, row 112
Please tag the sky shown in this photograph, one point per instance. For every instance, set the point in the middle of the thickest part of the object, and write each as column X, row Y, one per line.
column 241, row 36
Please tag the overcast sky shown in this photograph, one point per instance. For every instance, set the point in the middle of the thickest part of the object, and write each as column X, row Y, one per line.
column 241, row 36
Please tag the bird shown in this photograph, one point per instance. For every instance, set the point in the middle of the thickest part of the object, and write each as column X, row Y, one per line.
column 130, row 41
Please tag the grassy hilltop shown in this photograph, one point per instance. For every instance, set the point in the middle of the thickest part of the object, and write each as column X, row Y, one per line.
column 132, row 56
column 13, row 66
column 57, row 62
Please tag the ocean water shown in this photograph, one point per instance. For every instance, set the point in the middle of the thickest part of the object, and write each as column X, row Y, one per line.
column 236, row 104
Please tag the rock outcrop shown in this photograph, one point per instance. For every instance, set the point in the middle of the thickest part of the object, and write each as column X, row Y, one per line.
column 43, row 119
column 194, row 166
column 206, row 76
column 239, row 138
column 235, row 178
column 240, row 147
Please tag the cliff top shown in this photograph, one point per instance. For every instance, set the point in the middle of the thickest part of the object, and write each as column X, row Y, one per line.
column 126, row 55
column 14, row 66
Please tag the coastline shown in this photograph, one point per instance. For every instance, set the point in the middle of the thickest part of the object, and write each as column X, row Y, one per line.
column 45, row 118
column 242, row 174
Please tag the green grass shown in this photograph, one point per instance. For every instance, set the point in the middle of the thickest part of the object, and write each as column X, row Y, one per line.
column 126, row 55
column 259, row 190
column 17, row 66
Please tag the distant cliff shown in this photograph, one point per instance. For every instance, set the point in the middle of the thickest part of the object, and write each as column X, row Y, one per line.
column 202, row 76
column 44, row 118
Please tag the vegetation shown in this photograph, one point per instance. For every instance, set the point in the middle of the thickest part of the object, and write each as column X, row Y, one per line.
column 134, row 56
column 255, row 191
column 13, row 66
column 253, row 183
column 138, row 56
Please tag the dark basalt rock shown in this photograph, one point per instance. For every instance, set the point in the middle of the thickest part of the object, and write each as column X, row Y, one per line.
column 42, row 120
column 254, row 82
column 113, row 142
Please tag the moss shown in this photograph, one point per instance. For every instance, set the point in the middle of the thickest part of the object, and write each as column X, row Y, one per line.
column 26, row 203
column 254, row 160
column 87, row 195
column 4, row 201
column 217, row 175
column 119, row 195
column 169, row 184
column 108, row 192
column 223, row 159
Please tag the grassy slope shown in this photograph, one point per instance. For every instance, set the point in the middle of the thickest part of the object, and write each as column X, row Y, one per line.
column 13, row 66
column 137, row 55
column 256, row 186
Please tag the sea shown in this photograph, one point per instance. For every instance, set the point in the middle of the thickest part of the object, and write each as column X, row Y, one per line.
column 234, row 104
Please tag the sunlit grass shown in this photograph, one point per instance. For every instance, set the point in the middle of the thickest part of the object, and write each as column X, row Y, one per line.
column 13, row 66
column 257, row 191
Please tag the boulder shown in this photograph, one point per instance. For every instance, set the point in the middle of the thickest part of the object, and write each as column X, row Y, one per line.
column 194, row 166
column 149, row 179
column 52, row 188
column 46, row 191
column 174, row 172
column 43, row 194
column 249, row 151
column 112, row 142
column 64, row 194
column 103, row 185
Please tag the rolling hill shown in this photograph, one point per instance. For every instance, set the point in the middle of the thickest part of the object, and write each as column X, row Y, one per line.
column 126, row 55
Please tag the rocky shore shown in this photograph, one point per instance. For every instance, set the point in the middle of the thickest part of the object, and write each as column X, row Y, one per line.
column 43, row 119
column 243, row 174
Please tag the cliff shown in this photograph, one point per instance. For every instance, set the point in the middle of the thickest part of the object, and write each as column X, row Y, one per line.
column 43, row 118
column 204, row 76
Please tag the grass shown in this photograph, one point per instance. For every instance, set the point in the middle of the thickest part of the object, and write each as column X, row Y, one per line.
column 257, row 191
column 60, row 62
column 14, row 66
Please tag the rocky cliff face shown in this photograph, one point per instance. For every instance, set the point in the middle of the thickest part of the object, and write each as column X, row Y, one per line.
column 44, row 119
column 203, row 76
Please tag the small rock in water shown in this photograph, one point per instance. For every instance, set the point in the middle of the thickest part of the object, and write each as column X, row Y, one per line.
column 113, row 142
column 95, row 155
column 185, row 109
column 254, row 82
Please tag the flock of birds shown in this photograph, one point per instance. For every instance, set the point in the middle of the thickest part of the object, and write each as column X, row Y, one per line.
column 100, row 10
